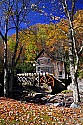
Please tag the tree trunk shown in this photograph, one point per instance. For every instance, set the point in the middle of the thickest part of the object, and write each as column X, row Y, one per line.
column 11, row 83
column 73, row 55
column 77, row 87
column 5, row 62
column 72, row 69
column 14, row 61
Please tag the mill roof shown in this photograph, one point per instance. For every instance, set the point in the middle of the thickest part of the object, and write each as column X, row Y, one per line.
column 48, row 53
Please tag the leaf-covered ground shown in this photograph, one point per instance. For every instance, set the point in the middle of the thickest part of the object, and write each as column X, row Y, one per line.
column 14, row 112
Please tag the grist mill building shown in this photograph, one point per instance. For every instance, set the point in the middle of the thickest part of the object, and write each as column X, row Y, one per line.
column 45, row 62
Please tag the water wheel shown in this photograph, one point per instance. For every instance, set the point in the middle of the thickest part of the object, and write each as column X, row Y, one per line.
column 47, row 79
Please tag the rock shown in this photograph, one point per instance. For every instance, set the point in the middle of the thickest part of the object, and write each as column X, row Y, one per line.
column 73, row 105
column 43, row 100
column 56, row 104
column 39, row 95
column 49, row 104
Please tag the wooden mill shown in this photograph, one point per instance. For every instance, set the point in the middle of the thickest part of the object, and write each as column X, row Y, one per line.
column 49, row 70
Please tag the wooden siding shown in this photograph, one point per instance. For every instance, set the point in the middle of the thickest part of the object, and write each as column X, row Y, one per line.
column 45, row 63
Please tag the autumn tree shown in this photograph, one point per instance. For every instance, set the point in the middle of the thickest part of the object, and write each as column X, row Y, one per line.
column 4, row 16
column 13, row 15
column 73, row 52
column 68, row 9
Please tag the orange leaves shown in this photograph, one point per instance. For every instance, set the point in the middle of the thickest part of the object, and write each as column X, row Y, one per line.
column 63, row 26
column 78, row 23
column 15, row 112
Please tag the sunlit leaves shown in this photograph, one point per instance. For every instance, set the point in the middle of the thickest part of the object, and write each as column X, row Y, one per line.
column 34, row 7
column 11, row 44
column 42, row 33
column 52, row 36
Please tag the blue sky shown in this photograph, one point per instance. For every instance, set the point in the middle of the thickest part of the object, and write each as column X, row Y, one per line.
column 35, row 17
column 40, row 18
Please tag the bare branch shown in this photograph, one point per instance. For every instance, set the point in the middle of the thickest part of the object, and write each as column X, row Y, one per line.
column 2, row 35
column 80, row 51
column 65, row 7
column 73, row 8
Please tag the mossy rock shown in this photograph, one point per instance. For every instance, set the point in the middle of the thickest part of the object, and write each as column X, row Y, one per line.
column 66, row 91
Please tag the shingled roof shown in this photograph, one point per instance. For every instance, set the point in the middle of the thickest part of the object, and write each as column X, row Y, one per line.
column 49, row 54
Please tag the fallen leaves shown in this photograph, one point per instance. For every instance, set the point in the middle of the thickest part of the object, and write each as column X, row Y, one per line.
column 14, row 112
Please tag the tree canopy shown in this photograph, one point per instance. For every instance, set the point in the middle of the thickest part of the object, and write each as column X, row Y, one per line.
column 51, row 36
